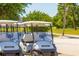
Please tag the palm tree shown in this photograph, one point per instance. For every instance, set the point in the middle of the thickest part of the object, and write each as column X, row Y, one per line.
column 64, row 17
column 69, row 9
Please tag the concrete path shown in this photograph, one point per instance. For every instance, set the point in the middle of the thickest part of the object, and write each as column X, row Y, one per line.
column 67, row 46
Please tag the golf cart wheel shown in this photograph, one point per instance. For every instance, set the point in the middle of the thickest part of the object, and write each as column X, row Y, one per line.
column 54, row 54
column 36, row 53
column 1, row 54
column 17, row 54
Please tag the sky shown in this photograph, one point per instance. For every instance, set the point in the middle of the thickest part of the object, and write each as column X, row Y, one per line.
column 48, row 8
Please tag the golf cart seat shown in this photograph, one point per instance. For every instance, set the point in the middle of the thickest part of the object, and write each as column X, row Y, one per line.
column 28, row 38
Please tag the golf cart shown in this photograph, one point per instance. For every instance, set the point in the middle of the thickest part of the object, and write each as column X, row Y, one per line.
column 36, row 41
column 9, row 42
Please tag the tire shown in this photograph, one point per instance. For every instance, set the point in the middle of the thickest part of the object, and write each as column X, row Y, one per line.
column 17, row 54
column 54, row 54
column 35, row 53
column 0, row 54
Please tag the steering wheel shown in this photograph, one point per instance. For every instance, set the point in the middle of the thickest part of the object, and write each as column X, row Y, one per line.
column 42, row 36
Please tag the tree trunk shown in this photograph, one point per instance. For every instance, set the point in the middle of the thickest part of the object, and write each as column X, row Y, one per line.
column 74, row 25
column 64, row 20
column 74, row 20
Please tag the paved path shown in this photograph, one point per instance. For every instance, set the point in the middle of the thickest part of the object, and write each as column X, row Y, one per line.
column 67, row 46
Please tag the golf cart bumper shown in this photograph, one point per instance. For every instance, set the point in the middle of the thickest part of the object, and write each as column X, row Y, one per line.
column 48, row 50
column 11, row 51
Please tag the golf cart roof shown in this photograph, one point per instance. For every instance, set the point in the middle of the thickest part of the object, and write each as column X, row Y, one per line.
column 7, row 21
column 35, row 23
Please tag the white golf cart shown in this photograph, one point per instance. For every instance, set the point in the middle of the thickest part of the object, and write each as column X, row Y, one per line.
column 36, row 40
column 9, row 42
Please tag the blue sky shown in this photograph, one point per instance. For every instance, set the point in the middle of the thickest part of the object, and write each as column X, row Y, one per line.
column 48, row 8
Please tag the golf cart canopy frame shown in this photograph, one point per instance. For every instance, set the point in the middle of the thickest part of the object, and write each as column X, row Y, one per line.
column 34, row 23
column 7, row 22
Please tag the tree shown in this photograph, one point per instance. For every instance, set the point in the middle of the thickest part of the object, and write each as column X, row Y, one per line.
column 12, row 11
column 68, row 15
column 37, row 16
column 64, row 17
column 57, row 22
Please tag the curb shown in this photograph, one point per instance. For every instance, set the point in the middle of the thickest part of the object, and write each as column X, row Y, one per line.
column 67, row 35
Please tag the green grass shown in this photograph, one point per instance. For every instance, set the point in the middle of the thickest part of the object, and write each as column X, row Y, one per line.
column 55, row 30
column 9, row 29
column 67, row 31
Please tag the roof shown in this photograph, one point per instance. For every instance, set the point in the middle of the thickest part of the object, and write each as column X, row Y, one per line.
column 7, row 21
column 35, row 23
column 38, row 23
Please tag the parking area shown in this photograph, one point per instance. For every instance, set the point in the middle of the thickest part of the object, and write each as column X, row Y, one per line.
column 67, row 46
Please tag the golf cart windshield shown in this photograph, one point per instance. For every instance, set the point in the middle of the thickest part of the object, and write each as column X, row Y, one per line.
column 40, row 30
column 7, row 33
column 7, row 36
column 42, row 36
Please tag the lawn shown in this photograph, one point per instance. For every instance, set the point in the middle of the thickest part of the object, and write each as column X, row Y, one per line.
column 55, row 30
column 67, row 31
